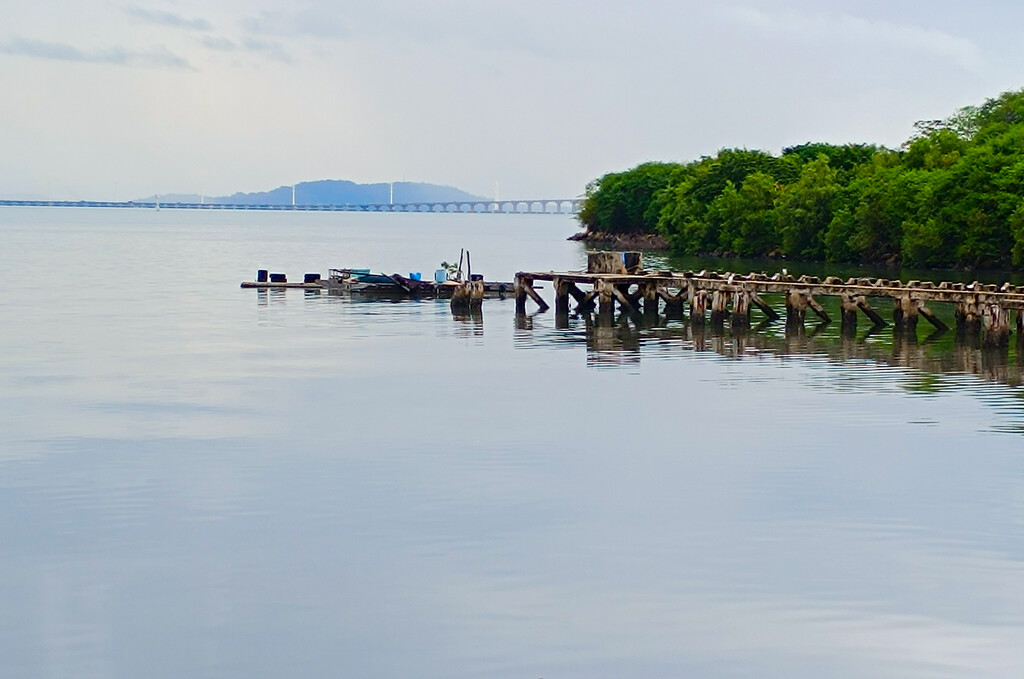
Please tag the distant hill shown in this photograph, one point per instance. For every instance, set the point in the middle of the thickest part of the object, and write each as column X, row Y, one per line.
column 330, row 192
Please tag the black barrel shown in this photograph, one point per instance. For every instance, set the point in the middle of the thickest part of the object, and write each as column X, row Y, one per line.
column 311, row 278
column 278, row 278
column 476, row 277
column 261, row 276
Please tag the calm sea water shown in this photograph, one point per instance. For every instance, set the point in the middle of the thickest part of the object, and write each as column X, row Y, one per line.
column 202, row 481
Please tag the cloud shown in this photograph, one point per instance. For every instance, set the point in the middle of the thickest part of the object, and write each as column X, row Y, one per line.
column 267, row 48
column 309, row 22
column 167, row 19
column 218, row 43
column 159, row 57
column 851, row 30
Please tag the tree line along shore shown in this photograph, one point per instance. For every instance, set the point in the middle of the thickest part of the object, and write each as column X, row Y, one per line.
column 951, row 196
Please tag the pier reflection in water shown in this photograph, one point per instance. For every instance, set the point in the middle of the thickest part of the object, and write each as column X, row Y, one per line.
column 627, row 339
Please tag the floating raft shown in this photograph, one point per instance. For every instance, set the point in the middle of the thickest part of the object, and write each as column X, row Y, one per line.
column 383, row 285
column 267, row 285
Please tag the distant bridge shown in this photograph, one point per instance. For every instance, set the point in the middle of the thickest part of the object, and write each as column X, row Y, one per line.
column 535, row 206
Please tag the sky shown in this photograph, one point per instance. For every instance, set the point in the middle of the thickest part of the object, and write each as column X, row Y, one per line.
column 534, row 98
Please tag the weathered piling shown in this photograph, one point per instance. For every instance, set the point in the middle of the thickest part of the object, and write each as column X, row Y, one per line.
column 605, row 298
column 561, row 287
column 524, row 289
column 605, row 262
column 796, row 307
column 650, row 295
column 764, row 307
column 698, row 307
column 848, row 313
column 673, row 303
column 741, row 300
column 731, row 297
column 468, row 296
column 904, row 314
column 996, row 325
column 876, row 318
column 968, row 317
column 719, row 308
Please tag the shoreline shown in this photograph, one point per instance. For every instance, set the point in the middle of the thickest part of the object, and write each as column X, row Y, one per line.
column 623, row 241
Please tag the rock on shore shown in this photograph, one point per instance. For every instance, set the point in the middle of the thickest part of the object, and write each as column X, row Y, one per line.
column 623, row 241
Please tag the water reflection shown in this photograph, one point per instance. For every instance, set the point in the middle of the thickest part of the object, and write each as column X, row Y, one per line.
column 627, row 338
column 469, row 322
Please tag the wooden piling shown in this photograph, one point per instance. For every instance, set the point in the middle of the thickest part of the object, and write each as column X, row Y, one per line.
column 741, row 300
column 605, row 262
column 673, row 303
column 996, row 324
column 561, row 287
column 586, row 302
column 576, row 293
column 817, row 308
column 536, row 297
column 848, row 312
column 929, row 316
column 625, row 303
column 904, row 314
column 469, row 296
column 876, row 319
column 650, row 294
column 968, row 318
column 698, row 306
column 605, row 298
column 520, row 289
column 796, row 307
column 764, row 307
column 719, row 310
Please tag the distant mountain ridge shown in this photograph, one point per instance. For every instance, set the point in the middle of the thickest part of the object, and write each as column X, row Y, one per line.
column 331, row 192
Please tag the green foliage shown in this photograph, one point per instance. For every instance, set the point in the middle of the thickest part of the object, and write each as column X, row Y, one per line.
column 619, row 202
column 952, row 196
column 804, row 210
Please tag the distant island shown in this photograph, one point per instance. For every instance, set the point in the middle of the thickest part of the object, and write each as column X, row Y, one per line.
column 951, row 196
column 330, row 192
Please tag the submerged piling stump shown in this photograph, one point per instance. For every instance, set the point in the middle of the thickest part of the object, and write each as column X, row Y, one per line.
column 469, row 296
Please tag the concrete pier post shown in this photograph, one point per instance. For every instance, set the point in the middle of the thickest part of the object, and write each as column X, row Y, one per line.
column 741, row 300
column 996, row 324
column 796, row 308
column 698, row 306
column 719, row 311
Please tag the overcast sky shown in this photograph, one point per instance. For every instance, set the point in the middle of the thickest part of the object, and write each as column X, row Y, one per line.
column 118, row 100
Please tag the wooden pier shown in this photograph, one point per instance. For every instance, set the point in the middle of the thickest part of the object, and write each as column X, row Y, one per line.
column 618, row 279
